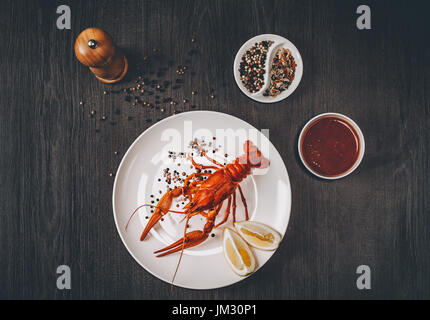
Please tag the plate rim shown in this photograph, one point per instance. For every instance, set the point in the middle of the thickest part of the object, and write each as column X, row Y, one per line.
column 115, row 187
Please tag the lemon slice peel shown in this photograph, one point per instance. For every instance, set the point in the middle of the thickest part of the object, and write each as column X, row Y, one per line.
column 258, row 235
column 237, row 253
column 230, row 246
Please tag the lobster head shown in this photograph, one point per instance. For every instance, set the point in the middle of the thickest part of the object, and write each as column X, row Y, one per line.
column 254, row 156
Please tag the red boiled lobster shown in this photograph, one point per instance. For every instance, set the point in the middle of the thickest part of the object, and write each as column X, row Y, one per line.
column 207, row 196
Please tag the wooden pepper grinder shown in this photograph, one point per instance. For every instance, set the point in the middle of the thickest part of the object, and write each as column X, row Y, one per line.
column 95, row 49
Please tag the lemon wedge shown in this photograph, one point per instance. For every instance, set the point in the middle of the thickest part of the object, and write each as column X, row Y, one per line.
column 237, row 253
column 258, row 235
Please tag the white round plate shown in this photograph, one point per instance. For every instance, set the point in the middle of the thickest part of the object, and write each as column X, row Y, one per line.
column 267, row 192
column 279, row 42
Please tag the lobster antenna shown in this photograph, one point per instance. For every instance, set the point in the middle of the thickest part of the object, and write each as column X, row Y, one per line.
column 182, row 252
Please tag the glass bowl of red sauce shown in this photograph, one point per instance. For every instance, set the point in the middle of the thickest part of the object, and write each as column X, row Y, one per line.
column 331, row 145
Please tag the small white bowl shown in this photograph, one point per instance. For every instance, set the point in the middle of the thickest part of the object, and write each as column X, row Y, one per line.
column 357, row 130
column 278, row 42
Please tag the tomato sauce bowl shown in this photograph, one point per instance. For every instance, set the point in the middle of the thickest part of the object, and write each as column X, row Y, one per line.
column 331, row 145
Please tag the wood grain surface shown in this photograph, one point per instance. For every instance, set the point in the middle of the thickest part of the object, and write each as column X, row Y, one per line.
column 55, row 190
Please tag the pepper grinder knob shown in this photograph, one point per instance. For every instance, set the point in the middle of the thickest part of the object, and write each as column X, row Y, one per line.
column 95, row 49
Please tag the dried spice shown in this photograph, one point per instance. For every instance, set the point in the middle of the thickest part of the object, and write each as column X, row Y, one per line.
column 252, row 66
column 282, row 72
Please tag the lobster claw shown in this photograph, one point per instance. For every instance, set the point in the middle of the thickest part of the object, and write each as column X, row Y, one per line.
column 161, row 209
column 156, row 216
column 190, row 239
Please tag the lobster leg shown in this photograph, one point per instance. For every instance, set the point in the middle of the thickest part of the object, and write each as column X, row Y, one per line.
column 227, row 212
column 244, row 202
column 195, row 174
column 203, row 152
column 234, row 206
column 200, row 166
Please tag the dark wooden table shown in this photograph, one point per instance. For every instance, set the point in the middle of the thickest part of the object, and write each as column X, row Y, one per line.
column 55, row 185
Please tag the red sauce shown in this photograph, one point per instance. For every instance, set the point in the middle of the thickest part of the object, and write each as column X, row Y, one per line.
column 330, row 146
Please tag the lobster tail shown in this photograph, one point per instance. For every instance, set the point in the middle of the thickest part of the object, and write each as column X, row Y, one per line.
column 254, row 156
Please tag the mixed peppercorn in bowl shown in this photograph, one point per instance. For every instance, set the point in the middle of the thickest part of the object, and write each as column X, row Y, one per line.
column 268, row 68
